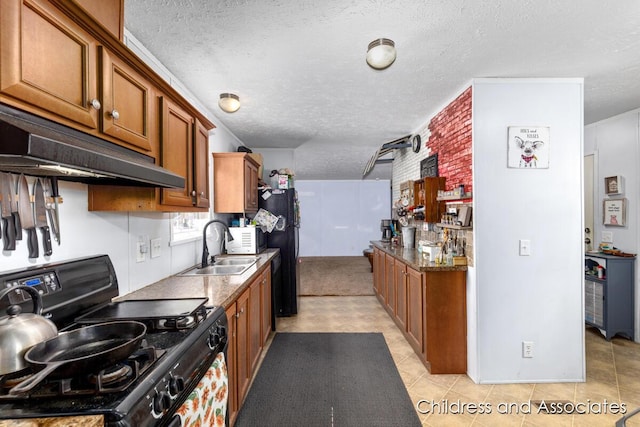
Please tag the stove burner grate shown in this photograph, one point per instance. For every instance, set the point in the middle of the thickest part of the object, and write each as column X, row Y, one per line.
column 114, row 379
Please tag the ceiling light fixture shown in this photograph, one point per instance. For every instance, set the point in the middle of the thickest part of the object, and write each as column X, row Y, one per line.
column 229, row 102
column 381, row 53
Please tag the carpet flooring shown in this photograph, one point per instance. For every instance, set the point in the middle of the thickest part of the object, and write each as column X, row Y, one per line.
column 328, row 379
column 339, row 276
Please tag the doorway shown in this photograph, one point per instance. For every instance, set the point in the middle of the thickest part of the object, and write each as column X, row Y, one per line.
column 589, row 234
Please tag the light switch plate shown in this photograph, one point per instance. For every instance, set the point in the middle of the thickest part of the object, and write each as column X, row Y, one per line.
column 607, row 237
column 525, row 247
column 155, row 247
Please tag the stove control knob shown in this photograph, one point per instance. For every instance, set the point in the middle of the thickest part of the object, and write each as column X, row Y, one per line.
column 221, row 330
column 161, row 402
column 176, row 385
column 214, row 340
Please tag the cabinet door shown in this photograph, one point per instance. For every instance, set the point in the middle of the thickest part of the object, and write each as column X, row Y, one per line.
column 255, row 332
column 250, row 186
column 176, row 151
column 48, row 64
column 126, row 103
column 243, row 370
column 231, row 363
column 415, row 300
column 390, row 280
column 400, row 270
column 265, row 305
column 381, row 276
column 376, row 271
column 201, row 166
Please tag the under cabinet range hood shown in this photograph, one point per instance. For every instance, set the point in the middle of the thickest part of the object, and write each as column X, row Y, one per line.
column 38, row 147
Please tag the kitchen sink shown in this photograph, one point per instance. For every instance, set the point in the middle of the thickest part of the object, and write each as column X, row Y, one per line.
column 236, row 261
column 222, row 267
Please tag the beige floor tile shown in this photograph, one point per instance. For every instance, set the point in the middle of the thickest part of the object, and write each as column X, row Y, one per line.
column 613, row 369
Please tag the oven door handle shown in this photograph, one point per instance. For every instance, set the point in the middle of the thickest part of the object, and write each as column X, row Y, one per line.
column 175, row 422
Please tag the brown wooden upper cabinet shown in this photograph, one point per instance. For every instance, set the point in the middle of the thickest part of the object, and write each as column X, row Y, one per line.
column 425, row 193
column 126, row 103
column 63, row 60
column 184, row 145
column 176, row 151
column 54, row 68
column 48, row 64
column 235, row 183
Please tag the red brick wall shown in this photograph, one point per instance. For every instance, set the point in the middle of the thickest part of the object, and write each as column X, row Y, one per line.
column 451, row 140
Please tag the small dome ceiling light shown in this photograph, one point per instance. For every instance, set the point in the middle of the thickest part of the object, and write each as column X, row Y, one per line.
column 381, row 53
column 229, row 102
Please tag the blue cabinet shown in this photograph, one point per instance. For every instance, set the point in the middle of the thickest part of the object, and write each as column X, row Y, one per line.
column 609, row 300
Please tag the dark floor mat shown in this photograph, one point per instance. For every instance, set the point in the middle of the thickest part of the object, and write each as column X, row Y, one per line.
column 328, row 379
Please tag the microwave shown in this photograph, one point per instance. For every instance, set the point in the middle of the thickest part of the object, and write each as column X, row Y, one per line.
column 246, row 240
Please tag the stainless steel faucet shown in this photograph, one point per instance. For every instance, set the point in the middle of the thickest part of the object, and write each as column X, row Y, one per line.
column 205, row 249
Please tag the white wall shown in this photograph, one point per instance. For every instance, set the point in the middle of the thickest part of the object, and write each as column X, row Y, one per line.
column 340, row 218
column 535, row 298
column 616, row 145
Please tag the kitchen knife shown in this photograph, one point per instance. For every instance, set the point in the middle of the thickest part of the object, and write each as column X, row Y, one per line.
column 51, row 203
column 8, row 223
column 54, row 216
column 14, row 207
column 25, row 209
column 41, row 216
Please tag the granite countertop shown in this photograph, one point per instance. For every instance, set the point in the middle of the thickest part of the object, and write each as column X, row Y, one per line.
column 413, row 258
column 221, row 290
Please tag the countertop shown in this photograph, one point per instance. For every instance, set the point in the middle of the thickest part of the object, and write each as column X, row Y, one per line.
column 414, row 259
column 221, row 290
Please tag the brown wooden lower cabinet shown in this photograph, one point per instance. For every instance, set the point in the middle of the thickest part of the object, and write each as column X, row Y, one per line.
column 400, row 285
column 249, row 318
column 429, row 307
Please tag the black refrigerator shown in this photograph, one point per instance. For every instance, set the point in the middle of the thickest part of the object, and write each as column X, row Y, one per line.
column 283, row 203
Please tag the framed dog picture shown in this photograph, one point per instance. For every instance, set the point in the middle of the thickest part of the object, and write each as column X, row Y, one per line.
column 614, row 212
column 528, row 147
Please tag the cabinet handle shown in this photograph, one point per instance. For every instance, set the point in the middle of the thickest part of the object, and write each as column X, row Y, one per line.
column 193, row 193
column 202, row 194
column 115, row 114
column 95, row 104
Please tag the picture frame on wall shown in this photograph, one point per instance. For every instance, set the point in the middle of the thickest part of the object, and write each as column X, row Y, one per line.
column 614, row 212
column 613, row 185
column 528, row 147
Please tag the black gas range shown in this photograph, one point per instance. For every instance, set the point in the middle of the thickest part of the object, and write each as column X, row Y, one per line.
column 181, row 356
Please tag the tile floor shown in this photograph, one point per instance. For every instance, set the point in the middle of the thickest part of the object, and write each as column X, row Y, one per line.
column 613, row 372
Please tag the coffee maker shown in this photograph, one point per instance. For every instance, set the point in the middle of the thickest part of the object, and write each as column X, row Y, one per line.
column 385, row 227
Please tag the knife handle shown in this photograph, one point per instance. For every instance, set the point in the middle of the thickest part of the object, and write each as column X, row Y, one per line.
column 46, row 241
column 17, row 225
column 32, row 243
column 8, row 234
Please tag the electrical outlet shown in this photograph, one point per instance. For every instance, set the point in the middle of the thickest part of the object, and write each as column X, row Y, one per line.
column 527, row 349
column 525, row 247
column 607, row 237
column 155, row 247
column 139, row 252
column 141, row 249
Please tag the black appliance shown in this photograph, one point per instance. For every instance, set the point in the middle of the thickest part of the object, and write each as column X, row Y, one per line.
column 283, row 203
column 185, row 340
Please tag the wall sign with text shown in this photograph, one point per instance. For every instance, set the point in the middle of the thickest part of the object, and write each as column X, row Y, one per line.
column 528, row 147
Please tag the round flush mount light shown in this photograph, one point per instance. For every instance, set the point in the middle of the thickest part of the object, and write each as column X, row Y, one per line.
column 229, row 102
column 381, row 53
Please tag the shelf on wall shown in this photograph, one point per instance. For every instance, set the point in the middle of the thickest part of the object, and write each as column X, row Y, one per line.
column 453, row 226
column 465, row 196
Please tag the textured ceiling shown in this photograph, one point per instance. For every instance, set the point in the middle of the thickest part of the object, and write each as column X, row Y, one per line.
column 299, row 65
